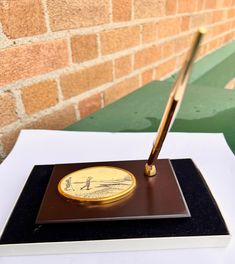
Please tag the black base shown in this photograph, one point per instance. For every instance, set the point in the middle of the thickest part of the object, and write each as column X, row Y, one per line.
column 206, row 219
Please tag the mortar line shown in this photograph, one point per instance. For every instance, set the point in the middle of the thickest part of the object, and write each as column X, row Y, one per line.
column 132, row 9
column 76, row 67
column 110, row 11
column 46, row 15
column 57, row 73
column 59, row 35
column 88, row 93
column 98, row 39
column 70, row 56
column 141, row 35
column 113, row 70
column 102, row 99
column 77, row 111
column 59, row 90
column 110, row 26
column 20, row 109
column 132, row 61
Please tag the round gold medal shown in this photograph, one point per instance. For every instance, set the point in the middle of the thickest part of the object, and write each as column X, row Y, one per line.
column 99, row 184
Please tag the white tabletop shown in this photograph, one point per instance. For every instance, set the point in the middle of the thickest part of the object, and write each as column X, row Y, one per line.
column 209, row 151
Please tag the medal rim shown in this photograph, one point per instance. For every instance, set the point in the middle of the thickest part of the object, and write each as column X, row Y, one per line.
column 105, row 199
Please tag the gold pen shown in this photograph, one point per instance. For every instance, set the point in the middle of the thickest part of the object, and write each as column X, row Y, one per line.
column 173, row 103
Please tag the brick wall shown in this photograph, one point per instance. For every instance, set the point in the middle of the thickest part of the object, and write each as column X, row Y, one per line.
column 64, row 59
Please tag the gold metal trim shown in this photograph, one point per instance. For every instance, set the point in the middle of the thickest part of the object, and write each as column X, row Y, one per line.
column 173, row 103
column 104, row 199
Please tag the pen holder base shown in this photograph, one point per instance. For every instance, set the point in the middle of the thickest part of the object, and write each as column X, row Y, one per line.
column 206, row 226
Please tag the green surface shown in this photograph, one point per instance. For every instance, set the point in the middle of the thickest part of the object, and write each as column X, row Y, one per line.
column 207, row 106
column 206, row 64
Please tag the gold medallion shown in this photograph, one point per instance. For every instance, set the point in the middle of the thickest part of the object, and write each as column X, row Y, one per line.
column 101, row 184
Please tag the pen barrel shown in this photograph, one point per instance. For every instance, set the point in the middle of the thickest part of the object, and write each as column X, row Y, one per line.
column 185, row 72
column 163, row 131
column 175, row 99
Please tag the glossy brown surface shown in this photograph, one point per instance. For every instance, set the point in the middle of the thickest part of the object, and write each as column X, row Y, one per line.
column 155, row 197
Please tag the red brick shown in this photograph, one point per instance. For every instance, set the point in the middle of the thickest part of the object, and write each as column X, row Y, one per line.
column 219, row 29
column 215, row 30
column 57, row 120
column 198, row 20
column 200, row 5
column 202, row 51
column 39, row 96
column 84, row 47
column 119, row 39
column 181, row 59
column 149, row 32
column 191, row 38
column 228, row 3
column 79, row 82
column 169, row 27
column 7, row 109
column 123, row 66
column 30, row 60
column 185, row 23
column 165, row 68
column 67, row 14
column 182, row 43
column 212, row 44
column 209, row 34
column 171, row 7
column 227, row 38
column 8, row 140
column 89, row 105
column 22, row 18
column 147, row 56
column 168, row 48
column 220, row 40
column 149, row 8
column 121, row 10
column 219, row 4
column 147, row 76
column 121, row 89
column 186, row 6
column 231, row 13
column 208, row 18
column 210, row 4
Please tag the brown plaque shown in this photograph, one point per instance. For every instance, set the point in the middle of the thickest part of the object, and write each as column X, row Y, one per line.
column 153, row 197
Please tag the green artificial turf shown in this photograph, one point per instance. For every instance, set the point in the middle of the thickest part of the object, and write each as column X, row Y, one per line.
column 207, row 106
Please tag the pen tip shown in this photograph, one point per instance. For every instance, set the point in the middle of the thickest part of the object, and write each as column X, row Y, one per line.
column 202, row 30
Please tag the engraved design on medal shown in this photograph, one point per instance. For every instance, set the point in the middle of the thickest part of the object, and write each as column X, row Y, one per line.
column 97, row 184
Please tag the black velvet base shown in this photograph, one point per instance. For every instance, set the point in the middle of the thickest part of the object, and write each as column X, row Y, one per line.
column 206, row 219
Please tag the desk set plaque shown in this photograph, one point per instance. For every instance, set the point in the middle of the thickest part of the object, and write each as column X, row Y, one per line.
column 121, row 199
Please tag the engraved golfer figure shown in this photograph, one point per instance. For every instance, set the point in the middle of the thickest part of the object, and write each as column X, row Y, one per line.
column 68, row 184
column 87, row 183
